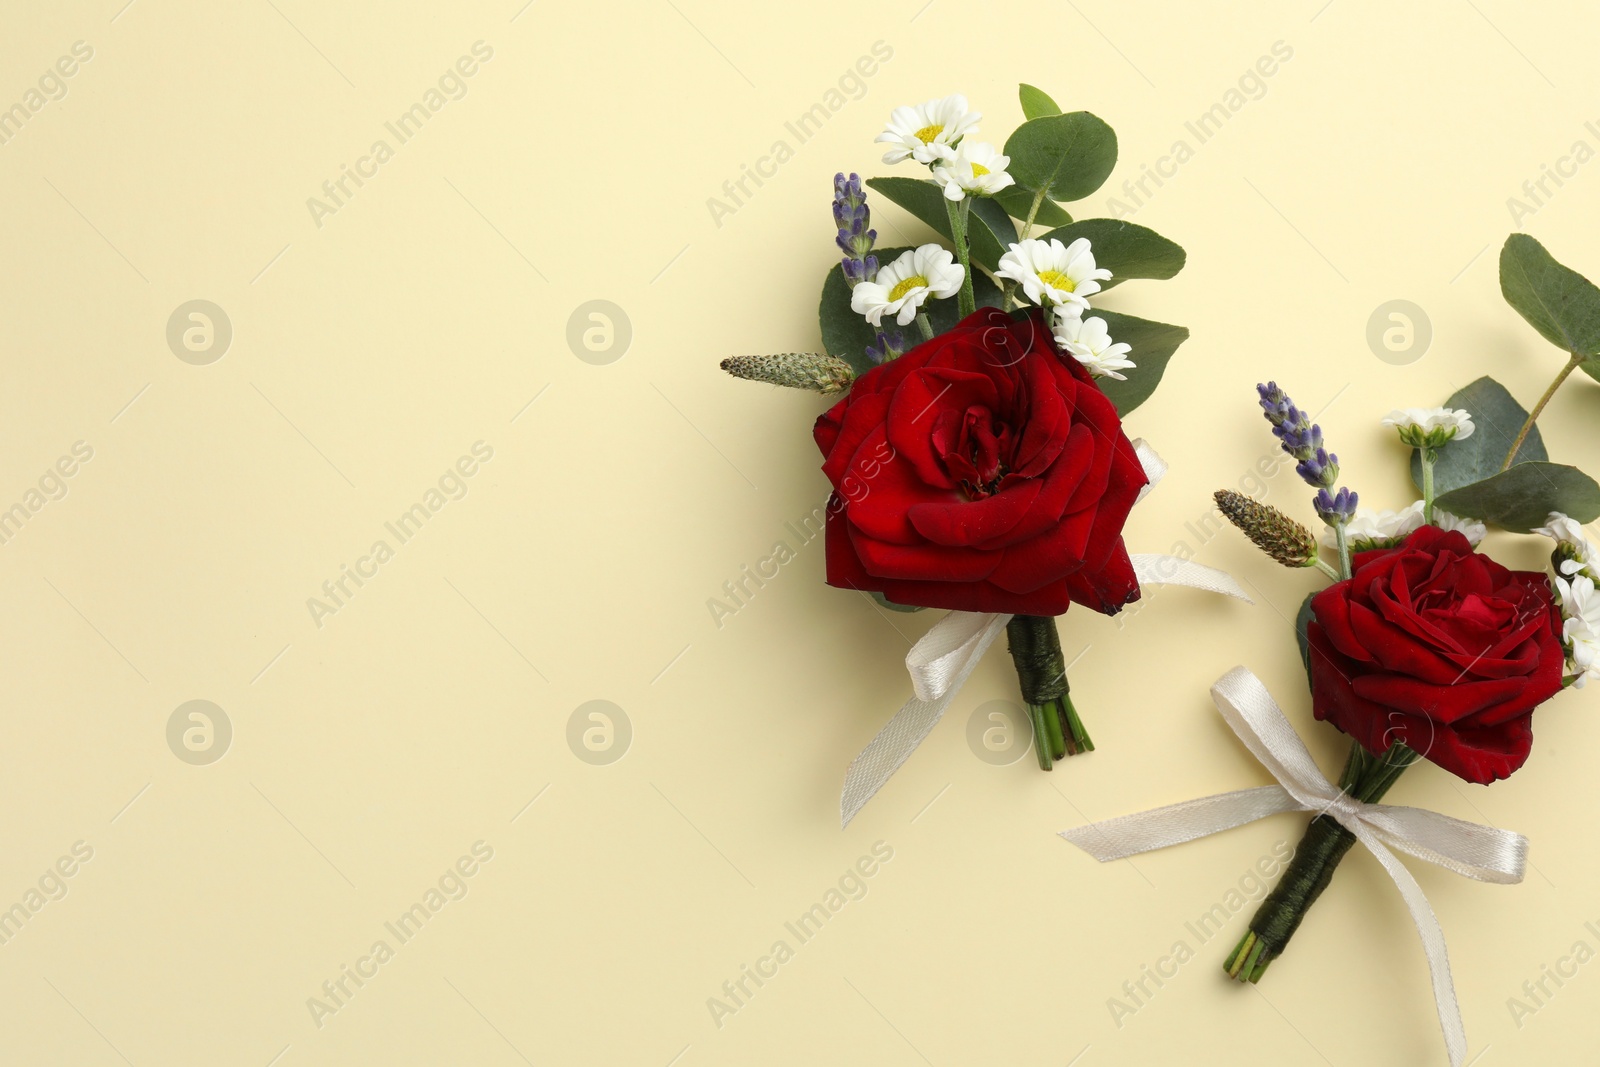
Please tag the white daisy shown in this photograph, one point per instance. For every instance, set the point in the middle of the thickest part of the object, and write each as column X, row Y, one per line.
column 978, row 168
column 904, row 286
column 928, row 132
column 1090, row 344
column 1577, row 555
column 1053, row 274
column 1377, row 529
column 1472, row 529
column 1430, row 427
column 1385, row 529
column 1580, row 628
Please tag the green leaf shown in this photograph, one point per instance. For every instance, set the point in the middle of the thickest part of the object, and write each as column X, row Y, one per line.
column 1560, row 303
column 1069, row 155
column 1017, row 201
column 990, row 228
column 1153, row 345
column 1127, row 249
column 885, row 602
column 1302, row 619
column 1496, row 418
column 847, row 335
column 1035, row 102
column 1521, row 498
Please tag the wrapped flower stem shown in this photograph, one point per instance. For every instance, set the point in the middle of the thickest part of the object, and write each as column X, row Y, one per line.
column 1042, row 674
column 1366, row 778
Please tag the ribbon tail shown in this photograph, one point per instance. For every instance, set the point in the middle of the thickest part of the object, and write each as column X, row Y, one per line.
column 970, row 635
column 1146, row 831
column 1486, row 853
column 1155, row 569
column 1433, row 946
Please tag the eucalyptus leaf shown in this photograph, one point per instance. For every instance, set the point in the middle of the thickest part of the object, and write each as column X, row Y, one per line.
column 1496, row 418
column 989, row 228
column 1017, row 202
column 1036, row 103
column 1522, row 497
column 1560, row 303
column 1153, row 345
column 1069, row 155
column 846, row 334
column 1127, row 249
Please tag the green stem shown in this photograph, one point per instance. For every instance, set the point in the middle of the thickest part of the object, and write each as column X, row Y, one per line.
column 1042, row 677
column 924, row 326
column 1053, row 730
column 1325, row 569
column 1366, row 778
column 1041, row 737
column 1033, row 210
column 1344, row 549
column 1429, row 457
column 1079, row 740
column 1533, row 416
column 966, row 303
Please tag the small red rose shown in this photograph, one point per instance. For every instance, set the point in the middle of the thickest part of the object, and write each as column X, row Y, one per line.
column 1439, row 647
column 981, row 471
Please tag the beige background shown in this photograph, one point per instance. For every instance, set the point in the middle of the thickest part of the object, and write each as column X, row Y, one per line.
column 369, row 353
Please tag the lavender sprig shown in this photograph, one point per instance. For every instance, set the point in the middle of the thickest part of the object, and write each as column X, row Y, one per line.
column 856, row 239
column 1299, row 437
column 1317, row 467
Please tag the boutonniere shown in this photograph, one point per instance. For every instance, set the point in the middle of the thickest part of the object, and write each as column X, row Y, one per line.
column 976, row 451
column 1424, row 647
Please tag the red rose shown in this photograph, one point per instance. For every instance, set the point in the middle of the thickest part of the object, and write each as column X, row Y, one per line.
column 1439, row 647
column 981, row 471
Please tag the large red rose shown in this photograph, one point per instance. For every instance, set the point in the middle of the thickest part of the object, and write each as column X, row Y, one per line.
column 981, row 471
column 1439, row 647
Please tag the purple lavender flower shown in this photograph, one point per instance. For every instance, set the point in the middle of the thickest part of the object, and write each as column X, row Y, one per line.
column 1317, row 467
column 1299, row 437
column 1336, row 509
column 855, row 239
column 886, row 346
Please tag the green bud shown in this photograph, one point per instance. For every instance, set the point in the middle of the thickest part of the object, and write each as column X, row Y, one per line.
column 798, row 370
column 1269, row 529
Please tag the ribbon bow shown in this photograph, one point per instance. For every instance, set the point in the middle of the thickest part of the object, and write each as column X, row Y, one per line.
column 1481, row 852
column 942, row 661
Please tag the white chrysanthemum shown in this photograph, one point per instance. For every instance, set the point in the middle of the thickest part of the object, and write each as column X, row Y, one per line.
column 902, row 287
column 1430, row 426
column 1568, row 535
column 1373, row 529
column 928, row 132
column 978, row 168
column 1053, row 274
column 1472, row 529
column 1580, row 628
column 1090, row 344
column 1383, row 529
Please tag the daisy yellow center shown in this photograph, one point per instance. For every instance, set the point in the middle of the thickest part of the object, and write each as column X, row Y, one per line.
column 1056, row 280
column 979, row 170
column 928, row 133
column 906, row 286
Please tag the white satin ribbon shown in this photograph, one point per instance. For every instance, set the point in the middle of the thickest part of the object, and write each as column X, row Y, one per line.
column 939, row 665
column 1155, row 468
column 941, row 662
column 1481, row 852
